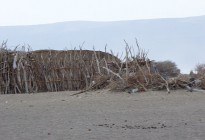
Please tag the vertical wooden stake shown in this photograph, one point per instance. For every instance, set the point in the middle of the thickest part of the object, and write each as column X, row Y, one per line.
column 127, row 72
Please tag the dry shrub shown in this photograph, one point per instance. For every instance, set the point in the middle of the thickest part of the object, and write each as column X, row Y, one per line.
column 200, row 70
column 200, row 74
column 168, row 67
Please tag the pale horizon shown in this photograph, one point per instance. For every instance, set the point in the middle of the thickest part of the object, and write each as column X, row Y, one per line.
column 102, row 21
column 35, row 12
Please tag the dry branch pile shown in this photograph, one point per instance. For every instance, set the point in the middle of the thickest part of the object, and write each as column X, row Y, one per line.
column 25, row 71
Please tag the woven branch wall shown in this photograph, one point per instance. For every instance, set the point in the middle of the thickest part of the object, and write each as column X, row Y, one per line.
column 50, row 70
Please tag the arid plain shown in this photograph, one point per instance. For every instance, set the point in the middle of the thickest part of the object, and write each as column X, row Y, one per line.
column 103, row 115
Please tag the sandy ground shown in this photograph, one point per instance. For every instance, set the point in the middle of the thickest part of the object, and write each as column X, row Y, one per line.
column 103, row 115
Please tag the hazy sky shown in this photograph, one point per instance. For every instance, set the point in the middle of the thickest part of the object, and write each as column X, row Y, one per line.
column 24, row 12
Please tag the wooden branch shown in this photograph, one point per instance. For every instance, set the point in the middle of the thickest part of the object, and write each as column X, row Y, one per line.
column 97, row 61
column 127, row 71
column 116, row 74
column 166, row 83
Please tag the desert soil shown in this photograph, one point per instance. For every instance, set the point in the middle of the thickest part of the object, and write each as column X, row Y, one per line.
column 103, row 115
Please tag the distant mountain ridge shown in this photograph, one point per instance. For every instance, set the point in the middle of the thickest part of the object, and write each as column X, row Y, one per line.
column 181, row 40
